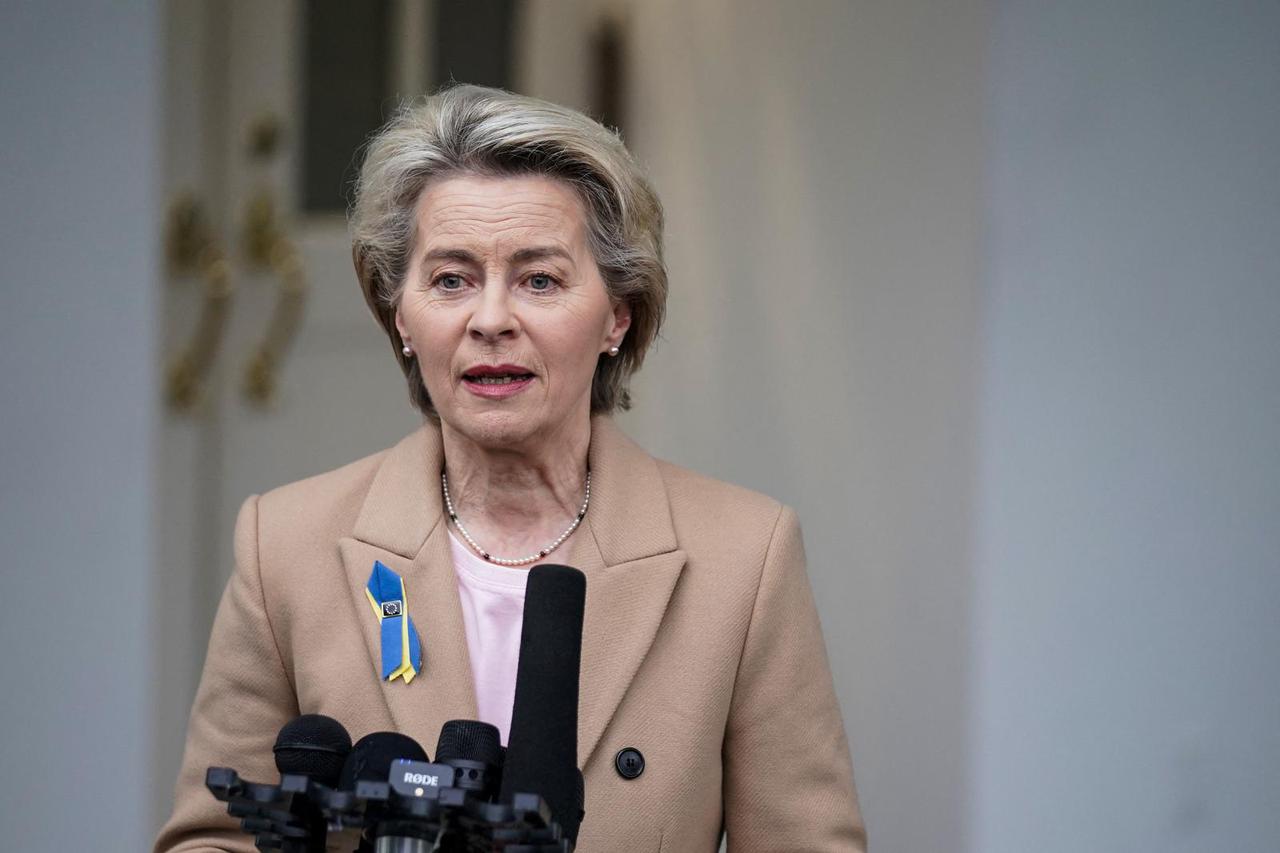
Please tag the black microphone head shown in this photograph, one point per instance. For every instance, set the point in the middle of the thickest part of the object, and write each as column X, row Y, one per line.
column 370, row 759
column 469, row 740
column 312, row 745
column 542, row 750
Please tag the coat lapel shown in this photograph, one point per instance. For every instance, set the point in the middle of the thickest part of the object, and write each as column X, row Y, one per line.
column 632, row 565
column 626, row 548
column 401, row 525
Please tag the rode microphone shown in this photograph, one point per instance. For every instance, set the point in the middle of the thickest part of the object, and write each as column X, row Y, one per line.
column 370, row 763
column 542, row 751
column 371, row 758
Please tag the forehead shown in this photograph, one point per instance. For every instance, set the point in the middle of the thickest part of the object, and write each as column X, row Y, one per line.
column 482, row 212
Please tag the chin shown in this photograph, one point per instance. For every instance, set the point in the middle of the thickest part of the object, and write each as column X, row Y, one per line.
column 495, row 429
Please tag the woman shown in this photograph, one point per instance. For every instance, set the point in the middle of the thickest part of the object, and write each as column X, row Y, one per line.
column 512, row 251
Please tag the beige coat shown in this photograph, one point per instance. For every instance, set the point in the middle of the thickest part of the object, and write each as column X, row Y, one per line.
column 701, row 648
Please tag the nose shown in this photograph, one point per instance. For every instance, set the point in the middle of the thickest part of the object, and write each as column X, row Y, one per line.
column 493, row 318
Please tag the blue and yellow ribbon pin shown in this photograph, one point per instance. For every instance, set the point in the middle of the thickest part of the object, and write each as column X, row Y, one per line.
column 401, row 648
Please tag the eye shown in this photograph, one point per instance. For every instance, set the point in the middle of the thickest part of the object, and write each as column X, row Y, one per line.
column 541, row 282
column 449, row 282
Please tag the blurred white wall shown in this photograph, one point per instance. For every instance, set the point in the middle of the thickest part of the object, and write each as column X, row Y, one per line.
column 1128, row 588
column 78, row 234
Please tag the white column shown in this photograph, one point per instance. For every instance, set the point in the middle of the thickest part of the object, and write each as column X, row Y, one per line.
column 1128, row 597
column 79, row 230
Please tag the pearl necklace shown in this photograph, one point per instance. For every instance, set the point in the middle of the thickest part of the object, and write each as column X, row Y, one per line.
column 448, row 503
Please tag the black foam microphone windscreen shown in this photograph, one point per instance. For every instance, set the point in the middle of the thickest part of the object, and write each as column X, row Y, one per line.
column 313, row 745
column 469, row 740
column 542, row 750
column 474, row 750
column 370, row 759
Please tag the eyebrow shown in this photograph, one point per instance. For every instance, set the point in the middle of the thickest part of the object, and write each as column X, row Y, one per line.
column 450, row 255
column 537, row 253
column 533, row 253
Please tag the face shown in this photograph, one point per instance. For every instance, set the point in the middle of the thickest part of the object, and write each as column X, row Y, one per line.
column 505, row 308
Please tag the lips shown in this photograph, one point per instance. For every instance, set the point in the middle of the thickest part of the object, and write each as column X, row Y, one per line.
column 496, row 380
column 496, row 374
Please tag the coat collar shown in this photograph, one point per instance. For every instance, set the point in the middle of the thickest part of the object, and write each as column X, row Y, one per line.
column 626, row 547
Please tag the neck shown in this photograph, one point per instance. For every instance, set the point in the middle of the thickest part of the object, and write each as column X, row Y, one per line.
column 515, row 500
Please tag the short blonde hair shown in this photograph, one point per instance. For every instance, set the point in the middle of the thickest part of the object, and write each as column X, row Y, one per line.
column 474, row 130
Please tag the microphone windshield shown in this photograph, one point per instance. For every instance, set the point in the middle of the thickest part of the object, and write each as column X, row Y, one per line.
column 312, row 745
column 542, row 750
column 469, row 740
column 370, row 759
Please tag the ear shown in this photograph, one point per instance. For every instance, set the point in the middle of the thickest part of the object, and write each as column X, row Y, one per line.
column 620, row 321
column 400, row 327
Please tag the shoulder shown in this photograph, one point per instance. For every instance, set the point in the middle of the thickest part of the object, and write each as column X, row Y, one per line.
column 384, row 499
column 692, row 492
column 712, row 516
column 324, row 505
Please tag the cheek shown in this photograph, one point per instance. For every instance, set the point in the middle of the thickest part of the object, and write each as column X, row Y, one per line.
column 576, row 352
column 430, row 322
column 435, row 338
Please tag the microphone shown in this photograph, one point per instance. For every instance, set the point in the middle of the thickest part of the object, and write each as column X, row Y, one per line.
column 542, row 751
column 370, row 762
column 400, row 802
column 309, row 752
column 371, row 758
column 312, row 745
column 474, row 750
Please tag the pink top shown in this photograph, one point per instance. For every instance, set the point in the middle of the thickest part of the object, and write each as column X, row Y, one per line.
column 493, row 613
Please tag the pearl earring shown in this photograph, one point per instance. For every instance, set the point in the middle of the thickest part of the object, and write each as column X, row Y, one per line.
column 407, row 350
column 613, row 351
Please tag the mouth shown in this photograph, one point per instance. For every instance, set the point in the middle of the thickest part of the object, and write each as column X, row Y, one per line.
column 497, row 380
